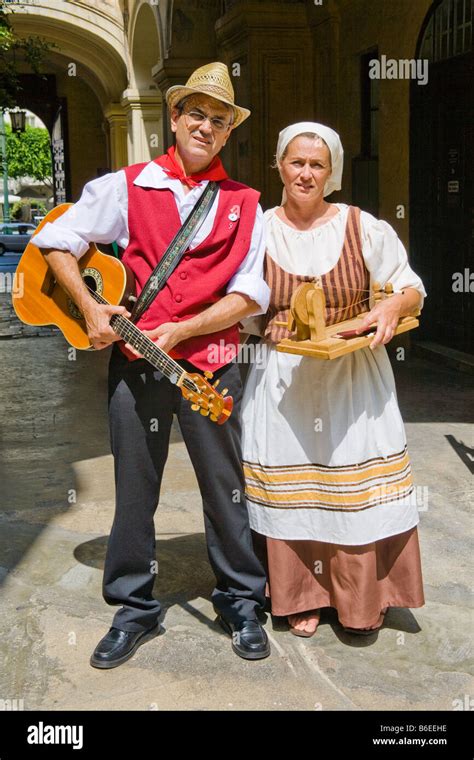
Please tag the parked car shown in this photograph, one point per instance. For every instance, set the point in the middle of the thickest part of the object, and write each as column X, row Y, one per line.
column 15, row 236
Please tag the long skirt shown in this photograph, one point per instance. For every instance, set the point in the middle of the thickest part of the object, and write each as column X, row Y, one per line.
column 360, row 582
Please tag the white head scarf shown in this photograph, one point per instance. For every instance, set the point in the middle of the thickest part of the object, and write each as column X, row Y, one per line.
column 330, row 137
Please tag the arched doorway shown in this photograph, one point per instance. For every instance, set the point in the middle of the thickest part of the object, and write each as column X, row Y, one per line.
column 78, row 97
column 39, row 94
column 441, row 186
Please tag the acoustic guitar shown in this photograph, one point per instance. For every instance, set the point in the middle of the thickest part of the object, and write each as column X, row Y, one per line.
column 38, row 299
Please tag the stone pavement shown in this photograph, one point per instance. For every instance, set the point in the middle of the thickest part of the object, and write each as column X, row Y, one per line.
column 57, row 496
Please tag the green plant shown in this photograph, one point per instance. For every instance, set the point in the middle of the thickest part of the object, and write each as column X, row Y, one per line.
column 29, row 154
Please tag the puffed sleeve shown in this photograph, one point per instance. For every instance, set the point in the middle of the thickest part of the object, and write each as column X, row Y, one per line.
column 99, row 216
column 385, row 256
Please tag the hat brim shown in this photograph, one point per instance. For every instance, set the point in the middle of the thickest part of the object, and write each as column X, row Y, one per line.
column 178, row 92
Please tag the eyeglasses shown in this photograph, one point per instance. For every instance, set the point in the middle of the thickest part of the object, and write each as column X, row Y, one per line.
column 218, row 124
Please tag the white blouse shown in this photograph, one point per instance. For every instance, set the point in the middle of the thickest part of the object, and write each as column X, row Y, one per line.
column 316, row 252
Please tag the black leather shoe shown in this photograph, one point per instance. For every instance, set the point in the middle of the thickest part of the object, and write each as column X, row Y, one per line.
column 118, row 646
column 249, row 639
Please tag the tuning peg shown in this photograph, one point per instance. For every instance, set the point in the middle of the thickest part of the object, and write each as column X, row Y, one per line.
column 216, row 383
column 204, row 412
column 213, row 417
column 223, row 392
column 208, row 374
column 211, row 396
column 195, row 407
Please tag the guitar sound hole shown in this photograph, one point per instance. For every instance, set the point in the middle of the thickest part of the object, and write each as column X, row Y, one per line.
column 90, row 282
column 93, row 280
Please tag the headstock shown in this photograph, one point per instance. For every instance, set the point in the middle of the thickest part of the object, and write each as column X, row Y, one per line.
column 206, row 399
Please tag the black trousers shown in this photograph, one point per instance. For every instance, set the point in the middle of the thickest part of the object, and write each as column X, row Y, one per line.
column 141, row 407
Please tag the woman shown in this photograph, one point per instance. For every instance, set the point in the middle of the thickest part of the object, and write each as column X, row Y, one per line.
column 328, row 479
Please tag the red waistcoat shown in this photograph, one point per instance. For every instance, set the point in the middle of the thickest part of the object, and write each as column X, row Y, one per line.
column 201, row 277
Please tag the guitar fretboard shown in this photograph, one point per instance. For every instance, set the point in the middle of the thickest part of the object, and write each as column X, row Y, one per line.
column 145, row 346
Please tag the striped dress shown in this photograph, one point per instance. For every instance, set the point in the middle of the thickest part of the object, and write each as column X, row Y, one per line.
column 328, row 477
column 346, row 286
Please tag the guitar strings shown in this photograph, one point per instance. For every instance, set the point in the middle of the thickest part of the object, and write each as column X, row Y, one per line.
column 150, row 350
column 131, row 331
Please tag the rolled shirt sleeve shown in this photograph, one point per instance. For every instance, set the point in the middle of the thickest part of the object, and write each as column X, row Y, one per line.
column 248, row 278
column 386, row 258
column 99, row 216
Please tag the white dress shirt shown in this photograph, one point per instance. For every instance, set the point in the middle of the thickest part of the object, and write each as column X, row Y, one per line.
column 101, row 216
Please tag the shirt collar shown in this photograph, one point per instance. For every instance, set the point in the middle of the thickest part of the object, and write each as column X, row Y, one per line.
column 153, row 175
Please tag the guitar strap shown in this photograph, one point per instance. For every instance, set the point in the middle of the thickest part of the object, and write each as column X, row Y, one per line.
column 175, row 250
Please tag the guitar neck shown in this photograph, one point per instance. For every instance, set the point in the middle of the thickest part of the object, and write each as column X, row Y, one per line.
column 145, row 346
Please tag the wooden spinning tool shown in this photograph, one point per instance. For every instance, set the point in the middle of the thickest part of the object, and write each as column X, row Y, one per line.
column 315, row 338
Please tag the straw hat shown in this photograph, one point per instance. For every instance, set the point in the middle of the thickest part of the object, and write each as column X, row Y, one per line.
column 212, row 79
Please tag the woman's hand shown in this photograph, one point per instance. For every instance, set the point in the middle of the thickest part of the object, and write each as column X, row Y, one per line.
column 166, row 336
column 385, row 315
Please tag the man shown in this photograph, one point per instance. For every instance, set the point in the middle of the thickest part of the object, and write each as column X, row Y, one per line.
column 218, row 282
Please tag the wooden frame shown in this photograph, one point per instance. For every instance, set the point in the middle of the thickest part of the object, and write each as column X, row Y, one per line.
column 315, row 338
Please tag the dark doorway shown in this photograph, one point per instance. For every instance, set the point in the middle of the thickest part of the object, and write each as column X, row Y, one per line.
column 441, row 187
column 39, row 94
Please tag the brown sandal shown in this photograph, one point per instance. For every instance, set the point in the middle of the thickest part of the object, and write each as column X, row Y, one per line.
column 303, row 634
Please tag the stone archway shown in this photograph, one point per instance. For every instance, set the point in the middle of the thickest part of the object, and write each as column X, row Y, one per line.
column 87, row 74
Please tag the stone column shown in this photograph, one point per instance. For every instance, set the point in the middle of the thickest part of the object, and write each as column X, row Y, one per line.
column 143, row 111
column 116, row 136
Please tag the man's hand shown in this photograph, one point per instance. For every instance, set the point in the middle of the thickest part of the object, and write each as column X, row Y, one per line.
column 166, row 336
column 220, row 315
column 97, row 318
column 385, row 316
